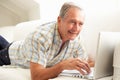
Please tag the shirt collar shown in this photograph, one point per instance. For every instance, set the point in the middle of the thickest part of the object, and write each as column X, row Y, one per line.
column 57, row 38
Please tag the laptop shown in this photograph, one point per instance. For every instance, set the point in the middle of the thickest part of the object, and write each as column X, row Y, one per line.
column 104, row 57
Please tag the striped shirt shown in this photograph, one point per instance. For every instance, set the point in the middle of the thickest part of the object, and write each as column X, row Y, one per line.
column 43, row 47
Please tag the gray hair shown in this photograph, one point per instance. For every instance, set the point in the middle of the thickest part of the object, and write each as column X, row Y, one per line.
column 66, row 6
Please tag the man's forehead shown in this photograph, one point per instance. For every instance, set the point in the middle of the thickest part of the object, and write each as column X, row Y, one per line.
column 74, row 11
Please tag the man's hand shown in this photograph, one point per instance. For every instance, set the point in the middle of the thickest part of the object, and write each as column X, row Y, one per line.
column 91, row 61
column 78, row 64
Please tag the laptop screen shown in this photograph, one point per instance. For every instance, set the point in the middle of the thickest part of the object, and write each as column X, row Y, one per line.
column 104, row 56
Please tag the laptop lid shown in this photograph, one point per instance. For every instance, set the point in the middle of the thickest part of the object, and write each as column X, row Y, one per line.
column 104, row 57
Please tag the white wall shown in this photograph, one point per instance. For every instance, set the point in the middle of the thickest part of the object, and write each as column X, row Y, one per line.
column 7, row 18
column 101, row 15
column 13, row 12
column 34, row 13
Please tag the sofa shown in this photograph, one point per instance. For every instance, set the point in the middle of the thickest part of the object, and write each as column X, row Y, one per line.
column 15, row 33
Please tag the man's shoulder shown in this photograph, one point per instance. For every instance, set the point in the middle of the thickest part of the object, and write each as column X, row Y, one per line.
column 46, row 28
column 48, row 23
column 44, row 32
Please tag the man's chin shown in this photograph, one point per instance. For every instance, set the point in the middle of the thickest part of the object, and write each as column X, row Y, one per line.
column 72, row 38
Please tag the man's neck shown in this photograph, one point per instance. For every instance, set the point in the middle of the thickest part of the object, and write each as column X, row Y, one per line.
column 63, row 43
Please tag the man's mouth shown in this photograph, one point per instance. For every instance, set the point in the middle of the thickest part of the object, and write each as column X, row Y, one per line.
column 72, row 32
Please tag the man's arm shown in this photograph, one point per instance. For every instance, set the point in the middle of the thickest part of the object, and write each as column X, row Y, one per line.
column 38, row 72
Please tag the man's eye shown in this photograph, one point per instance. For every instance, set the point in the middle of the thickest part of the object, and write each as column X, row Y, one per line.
column 80, row 24
column 72, row 22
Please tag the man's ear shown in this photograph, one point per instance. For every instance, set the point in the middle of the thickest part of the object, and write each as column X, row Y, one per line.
column 59, row 19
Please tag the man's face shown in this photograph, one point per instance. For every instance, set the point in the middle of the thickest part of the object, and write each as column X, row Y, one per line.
column 70, row 26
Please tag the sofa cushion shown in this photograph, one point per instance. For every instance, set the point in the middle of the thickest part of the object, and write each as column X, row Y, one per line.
column 14, row 73
column 7, row 32
column 24, row 28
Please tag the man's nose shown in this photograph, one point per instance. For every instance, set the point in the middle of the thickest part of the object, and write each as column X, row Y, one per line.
column 76, row 27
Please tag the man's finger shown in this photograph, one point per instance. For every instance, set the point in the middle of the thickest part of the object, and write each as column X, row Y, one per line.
column 84, row 66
